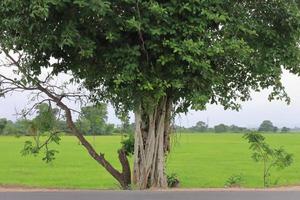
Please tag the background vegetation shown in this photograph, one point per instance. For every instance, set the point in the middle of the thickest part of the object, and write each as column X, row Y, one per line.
column 213, row 159
column 93, row 121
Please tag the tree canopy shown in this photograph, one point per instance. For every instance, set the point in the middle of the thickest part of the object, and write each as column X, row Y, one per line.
column 221, row 128
column 267, row 126
column 133, row 51
column 92, row 119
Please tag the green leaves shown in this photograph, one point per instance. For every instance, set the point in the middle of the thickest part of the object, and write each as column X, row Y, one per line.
column 81, row 3
column 42, row 131
column 128, row 145
column 69, row 35
column 283, row 159
column 46, row 119
column 270, row 157
column 87, row 48
column 92, row 120
column 39, row 9
column 34, row 148
column 29, row 149
column 131, row 53
column 49, row 156
column 157, row 9
column 215, row 15
column 133, row 23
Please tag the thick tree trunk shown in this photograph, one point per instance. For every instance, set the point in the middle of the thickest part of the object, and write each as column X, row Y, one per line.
column 151, row 145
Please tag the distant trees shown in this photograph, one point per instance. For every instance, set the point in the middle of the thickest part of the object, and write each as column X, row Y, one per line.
column 200, row 127
column 46, row 118
column 93, row 120
column 109, row 129
column 237, row 129
column 19, row 127
column 44, row 123
column 62, row 126
column 221, row 128
column 267, row 126
column 3, row 123
column 10, row 128
column 285, row 130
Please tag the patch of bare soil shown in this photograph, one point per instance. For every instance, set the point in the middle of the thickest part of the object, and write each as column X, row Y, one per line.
column 18, row 188
column 273, row 189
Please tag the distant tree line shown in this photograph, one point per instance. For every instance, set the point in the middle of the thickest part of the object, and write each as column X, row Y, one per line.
column 202, row 127
column 93, row 121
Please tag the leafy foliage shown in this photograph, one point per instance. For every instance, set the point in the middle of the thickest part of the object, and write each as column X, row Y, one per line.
column 92, row 119
column 46, row 117
column 172, row 180
column 128, row 144
column 43, row 124
column 31, row 148
column 270, row 157
column 221, row 128
column 134, row 52
column 3, row 123
column 234, row 181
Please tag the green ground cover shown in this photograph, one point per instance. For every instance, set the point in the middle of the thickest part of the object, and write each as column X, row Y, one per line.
column 199, row 160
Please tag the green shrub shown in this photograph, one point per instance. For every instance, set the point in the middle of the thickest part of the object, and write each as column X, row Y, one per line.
column 128, row 144
column 172, row 180
column 235, row 181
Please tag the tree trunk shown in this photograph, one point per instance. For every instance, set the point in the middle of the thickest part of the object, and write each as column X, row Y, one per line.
column 152, row 142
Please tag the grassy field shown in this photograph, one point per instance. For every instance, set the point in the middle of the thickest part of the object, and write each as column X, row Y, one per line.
column 200, row 160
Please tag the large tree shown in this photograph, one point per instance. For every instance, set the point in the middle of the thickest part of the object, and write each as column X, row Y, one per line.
column 93, row 119
column 267, row 126
column 158, row 58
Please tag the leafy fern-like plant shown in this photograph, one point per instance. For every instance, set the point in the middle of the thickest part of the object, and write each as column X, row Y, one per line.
column 270, row 157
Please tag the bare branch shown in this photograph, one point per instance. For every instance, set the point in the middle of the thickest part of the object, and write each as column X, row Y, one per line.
column 56, row 94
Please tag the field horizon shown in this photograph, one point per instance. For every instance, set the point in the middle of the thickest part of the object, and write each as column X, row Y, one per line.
column 199, row 160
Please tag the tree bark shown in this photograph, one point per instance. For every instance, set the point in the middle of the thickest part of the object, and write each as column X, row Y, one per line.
column 152, row 143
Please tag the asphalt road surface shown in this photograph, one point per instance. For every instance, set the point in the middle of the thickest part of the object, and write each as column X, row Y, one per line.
column 148, row 195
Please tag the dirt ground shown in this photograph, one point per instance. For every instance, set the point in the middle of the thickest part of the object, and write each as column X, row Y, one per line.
column 33, row 189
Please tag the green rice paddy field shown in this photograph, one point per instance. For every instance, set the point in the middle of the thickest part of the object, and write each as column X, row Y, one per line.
column 199, row 160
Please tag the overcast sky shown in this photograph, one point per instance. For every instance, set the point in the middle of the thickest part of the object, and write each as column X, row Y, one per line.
column 251, row 115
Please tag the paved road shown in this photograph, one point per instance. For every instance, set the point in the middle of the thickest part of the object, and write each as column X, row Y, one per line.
column 136, row 195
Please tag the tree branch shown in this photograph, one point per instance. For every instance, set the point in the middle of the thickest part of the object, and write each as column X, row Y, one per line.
column 124, row 177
